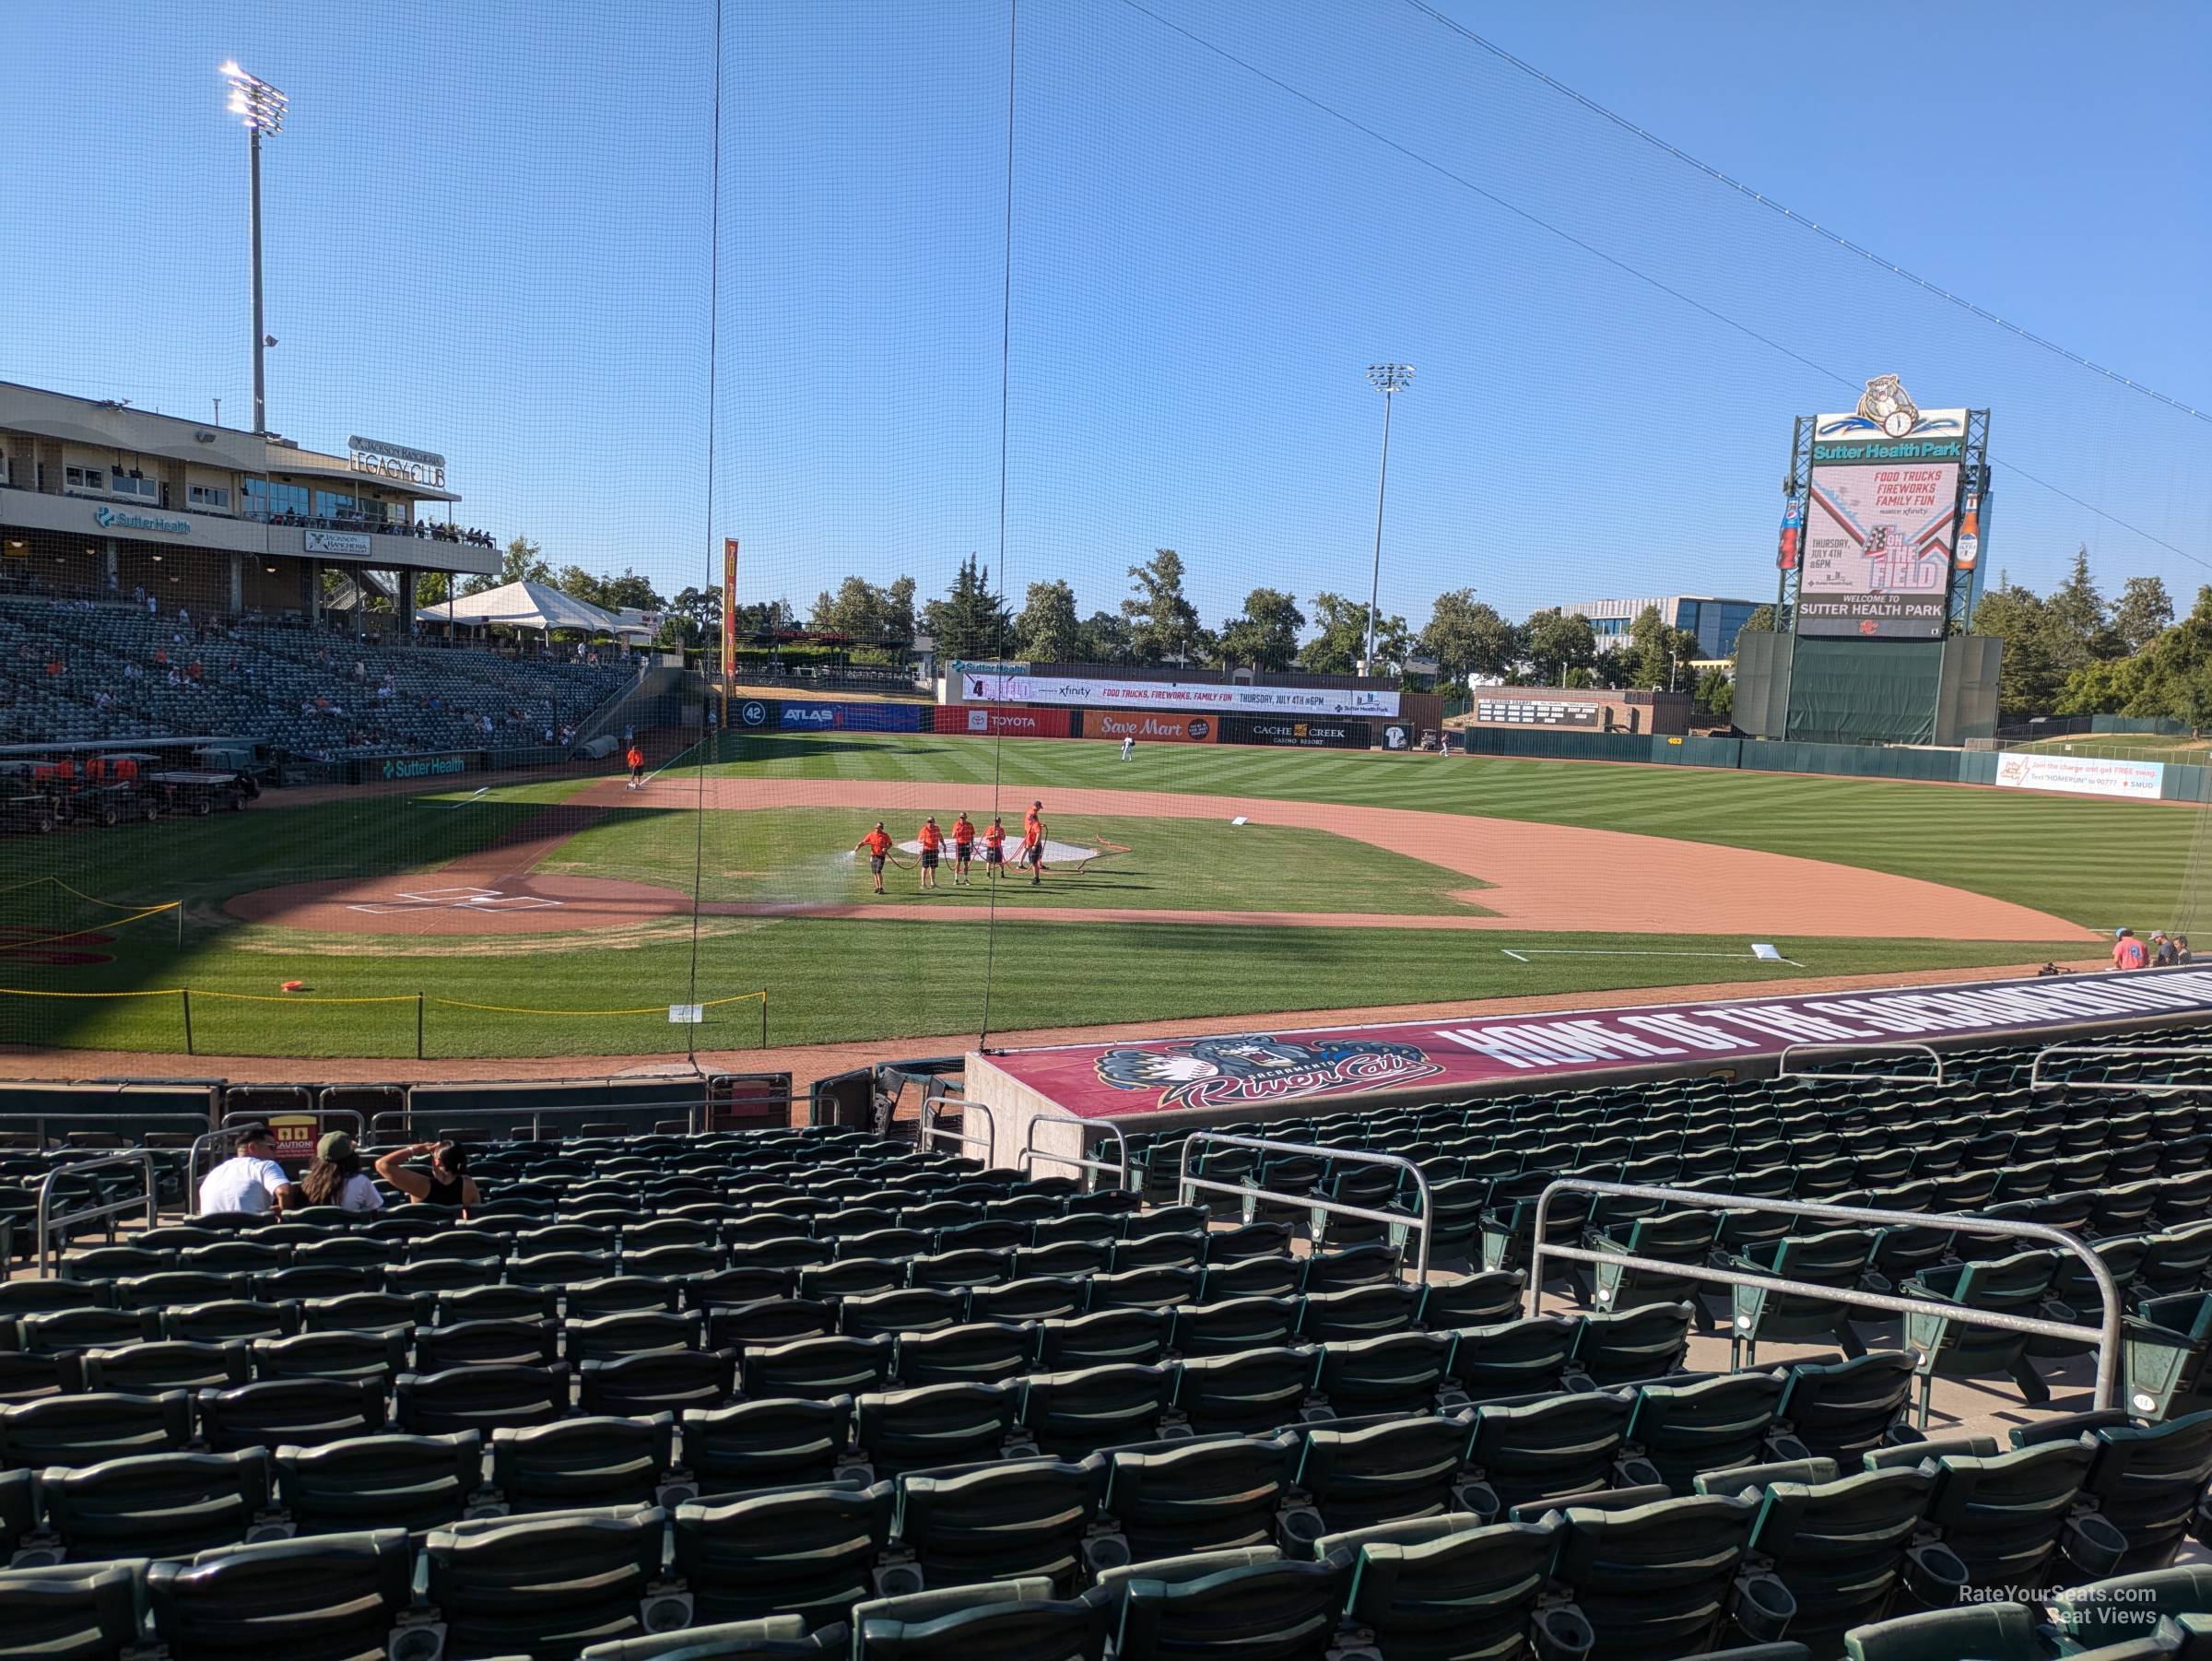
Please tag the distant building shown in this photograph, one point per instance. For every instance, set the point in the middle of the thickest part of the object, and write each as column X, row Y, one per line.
column 1715, row 623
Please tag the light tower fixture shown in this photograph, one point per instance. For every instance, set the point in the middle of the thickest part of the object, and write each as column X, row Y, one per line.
column 261, row 107
column 1390, row 379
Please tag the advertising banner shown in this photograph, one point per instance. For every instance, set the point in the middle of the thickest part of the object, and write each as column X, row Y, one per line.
column 1296, row 734
column 847, row 717
column 353, row 543
column 1148, row 727
column 417, row 767
column 1881, row 518
column 1002, row 723
column 729, row 612
column 978, row 684
column 2082, row 775
column 1256, row 1070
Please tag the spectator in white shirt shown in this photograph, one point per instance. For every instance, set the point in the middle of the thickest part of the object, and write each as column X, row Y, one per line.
column 251, row 1180
column 337, row 1178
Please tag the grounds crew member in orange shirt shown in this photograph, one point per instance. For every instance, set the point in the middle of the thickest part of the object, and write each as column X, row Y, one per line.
column 933, row 842
column 963, row 849
column 636, row 757
column 1032, row 843
column 878, row 844
column 994, row 849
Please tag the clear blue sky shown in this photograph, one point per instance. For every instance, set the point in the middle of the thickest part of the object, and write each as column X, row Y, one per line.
column 488, row 235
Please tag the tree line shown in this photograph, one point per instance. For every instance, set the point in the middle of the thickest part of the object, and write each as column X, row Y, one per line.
column 2072, row 652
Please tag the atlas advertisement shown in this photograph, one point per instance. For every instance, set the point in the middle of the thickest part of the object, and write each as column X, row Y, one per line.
column 1249, row 1072
column 1881, row 518
column 992, row 684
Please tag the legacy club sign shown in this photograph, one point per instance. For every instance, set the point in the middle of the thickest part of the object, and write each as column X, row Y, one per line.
column 396, row 461
column 1251, row 1069
column 982, row 683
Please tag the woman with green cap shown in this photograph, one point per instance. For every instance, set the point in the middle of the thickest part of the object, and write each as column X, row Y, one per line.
column 337, row 1178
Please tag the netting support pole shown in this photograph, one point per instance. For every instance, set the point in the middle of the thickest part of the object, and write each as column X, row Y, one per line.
column 184, row 995
column 419, row 1026
column 764, row 1020
column 180, row 926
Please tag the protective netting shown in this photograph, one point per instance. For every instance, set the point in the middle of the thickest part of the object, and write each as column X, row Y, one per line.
column 1067, row 378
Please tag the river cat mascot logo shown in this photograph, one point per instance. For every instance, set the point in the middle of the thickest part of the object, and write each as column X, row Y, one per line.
column 1226, row 1072
column 1888, row 406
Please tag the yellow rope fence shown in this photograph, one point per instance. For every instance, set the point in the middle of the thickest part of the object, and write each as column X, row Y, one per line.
column 139, row 912
column 421, row 1000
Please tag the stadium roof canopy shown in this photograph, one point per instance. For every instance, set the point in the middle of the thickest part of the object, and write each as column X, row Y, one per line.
column 538, row 606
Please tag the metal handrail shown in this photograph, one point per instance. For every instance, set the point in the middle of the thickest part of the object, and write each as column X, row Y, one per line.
column 150, row 1199
column 248, row 1116
column 2105, row 1336
column 1782, row 1065
column 1031, row 1152
column 926, row 1126
column 2036, row 1080
column 398, row 1092
column 1186, row 1184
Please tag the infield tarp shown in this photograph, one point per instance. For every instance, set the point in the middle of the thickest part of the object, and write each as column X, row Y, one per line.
column 1260, row 1071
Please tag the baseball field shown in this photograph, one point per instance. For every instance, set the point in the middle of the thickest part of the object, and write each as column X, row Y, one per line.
column 564, row 917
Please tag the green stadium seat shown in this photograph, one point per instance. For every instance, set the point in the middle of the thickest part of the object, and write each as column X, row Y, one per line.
column 229, row 1320
column 1845, row 1410
column 816, row 1369
column 579, row 1464
column 1947, row 1349
column 1630, row 1346
column 1076, row 1413
column 479, row 1399
column 1035, row 1298
column 1514, row 1358
column 73, row 1611
column 1251, row 1390
column 150, row 1369
column 2148, row 1481
column 1237, row 1606
column 1448, row 1588
column 756, row 1446
column 1715, row 1425
column 2006, row 1517
column 773, row 1637
column 1400, row 1373
column 1653, row 1581
column 154, row 1505
column 485, row 1343
column 1405, row 1467
column 1841, row 1546
column 1359, row 1312
column 1553, row 1448
column 1838, row 1258
column 808, row 1552
column 657, row 1380
column 1477, row 1299
column 1012, row 1620
column 1205, row 1494
column 1018, row 1517
column 985, row 1353
column 331, row 1595
column 365, row 1312
column 417, row 1483
column 1105, row 1339
column 302, row 1412
column 549, row 1586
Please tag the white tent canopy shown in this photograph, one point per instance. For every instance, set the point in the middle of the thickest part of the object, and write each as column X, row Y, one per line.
column 537, row 606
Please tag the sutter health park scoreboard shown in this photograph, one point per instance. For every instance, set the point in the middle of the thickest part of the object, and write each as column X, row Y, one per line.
column 1880, row 525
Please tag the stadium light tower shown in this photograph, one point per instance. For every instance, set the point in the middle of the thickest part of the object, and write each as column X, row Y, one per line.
column 261, row 107
column 1389, row 380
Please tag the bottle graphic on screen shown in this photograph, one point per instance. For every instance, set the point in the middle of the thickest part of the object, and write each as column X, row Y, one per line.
column 1792, row 521
column 1968, row 548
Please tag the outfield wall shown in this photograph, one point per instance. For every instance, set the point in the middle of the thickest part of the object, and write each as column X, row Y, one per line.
column 2176, row 781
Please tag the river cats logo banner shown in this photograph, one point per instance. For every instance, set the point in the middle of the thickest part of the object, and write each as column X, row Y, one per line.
column 1230, row 1072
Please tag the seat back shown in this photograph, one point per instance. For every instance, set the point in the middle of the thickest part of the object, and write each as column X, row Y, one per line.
column 330, row 1595
column 1550, row 1449
column 1206, row 1495
column 366, row 1482
column 934, row 1425
column 1405, row 1467
column 1654, row 1580
column 479, row 1399
column 547, row 1586
column 577, row 1464
column 1447, row 1586
column 156, row 1505
column 804, row 1552
column 1711, row 1426
column 1223, row 1604
column 1019, row 1517
column 762, row 1445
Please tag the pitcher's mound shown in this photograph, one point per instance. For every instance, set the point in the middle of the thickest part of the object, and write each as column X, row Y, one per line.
column 456, row 903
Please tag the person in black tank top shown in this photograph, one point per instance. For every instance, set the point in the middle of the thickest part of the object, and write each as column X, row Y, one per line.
column 446, row 1182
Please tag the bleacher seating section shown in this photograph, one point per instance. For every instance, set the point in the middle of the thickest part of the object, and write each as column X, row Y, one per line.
column 821, row 1393
column 259, row 681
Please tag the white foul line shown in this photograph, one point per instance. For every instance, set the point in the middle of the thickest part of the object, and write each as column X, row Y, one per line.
column 1576, row 951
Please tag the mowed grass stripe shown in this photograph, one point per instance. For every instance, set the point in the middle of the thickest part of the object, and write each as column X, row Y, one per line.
column 2097, row 862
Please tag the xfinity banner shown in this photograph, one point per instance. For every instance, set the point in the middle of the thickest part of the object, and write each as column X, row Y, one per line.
column 980, row 684
column 1249, row 1071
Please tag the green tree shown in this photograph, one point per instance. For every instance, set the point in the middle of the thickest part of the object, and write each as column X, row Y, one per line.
column 432, row 588
column 2108, row 687
column 865, row 613
column 1468, row 637
column 1716, row 694
column 2031, row 672
column 2143, row 612
column 1103, row 637
column 970, row 623
column 1555, row 642
column 1163, row 624
column 1047, row 631
column 1264, row 635
column 522, row 561
column 2080, row 621
column 1761, row 621
column 1341, row 642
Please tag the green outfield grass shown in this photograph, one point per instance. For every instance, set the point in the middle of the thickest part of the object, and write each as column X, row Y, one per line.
column 2089, row 860
column 2094, row 861
column 791, row 854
